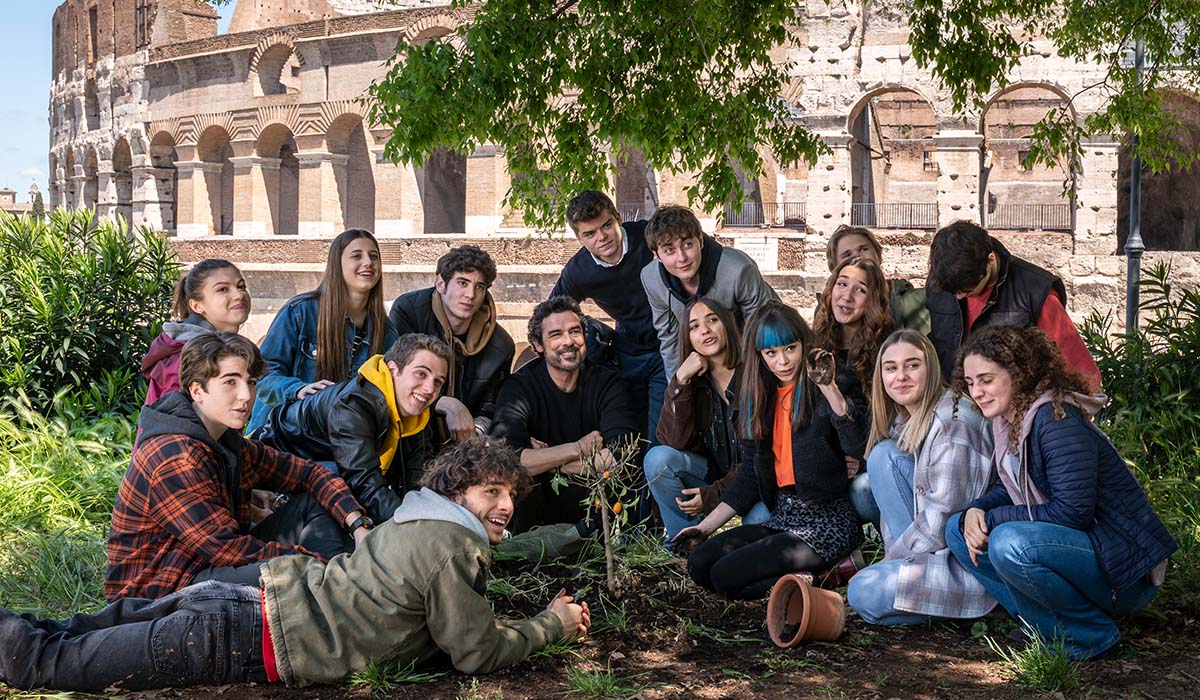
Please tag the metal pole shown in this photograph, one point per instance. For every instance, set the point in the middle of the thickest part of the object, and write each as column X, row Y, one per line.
column 1133, row 243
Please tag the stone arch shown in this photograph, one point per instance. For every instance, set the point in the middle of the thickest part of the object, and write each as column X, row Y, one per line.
column 163, row 157
column 91, row 105
column 1170, row 211
column 276, row 66
column 635, row 184
column 1013, row 194
column 122, row 168
column 215, row 150
column 892, row 159
column 429, row 28
column 349, row 137
column 276, row 149
column 91, row 174
column 442, row 184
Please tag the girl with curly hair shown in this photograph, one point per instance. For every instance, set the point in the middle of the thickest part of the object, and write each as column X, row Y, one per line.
column 1066, row 539
column 799, row 415
column 852, row 319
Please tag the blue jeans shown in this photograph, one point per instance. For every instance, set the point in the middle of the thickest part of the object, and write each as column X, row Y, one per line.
column 208, row 633
column 862, row 500
column 645, row 375
column 668, row 472
column 1048, row 576
column 872, row 591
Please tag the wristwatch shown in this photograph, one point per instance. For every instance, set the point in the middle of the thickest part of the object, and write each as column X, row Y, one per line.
column 361, row 521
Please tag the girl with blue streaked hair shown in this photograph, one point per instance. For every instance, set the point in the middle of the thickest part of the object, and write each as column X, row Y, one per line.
column 801, row 414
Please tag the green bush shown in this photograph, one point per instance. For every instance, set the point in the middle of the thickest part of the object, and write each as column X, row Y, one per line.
column 1154, row 414
column 80, row 301
column 58, row 479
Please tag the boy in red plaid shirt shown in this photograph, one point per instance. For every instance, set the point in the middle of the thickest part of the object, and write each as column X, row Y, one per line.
column 183, row 511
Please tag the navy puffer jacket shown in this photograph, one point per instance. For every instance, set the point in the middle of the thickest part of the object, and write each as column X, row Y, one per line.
column 1088, row 487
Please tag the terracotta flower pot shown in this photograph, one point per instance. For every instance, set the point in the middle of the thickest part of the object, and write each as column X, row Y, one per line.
column 797, row 611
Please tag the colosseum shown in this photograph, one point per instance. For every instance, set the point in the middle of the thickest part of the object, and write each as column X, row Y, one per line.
column 252, row 145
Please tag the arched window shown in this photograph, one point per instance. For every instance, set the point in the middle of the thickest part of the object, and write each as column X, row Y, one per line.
column 893, row 166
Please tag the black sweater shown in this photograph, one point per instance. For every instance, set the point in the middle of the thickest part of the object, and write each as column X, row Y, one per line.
column 531, row 405
column 617, row 290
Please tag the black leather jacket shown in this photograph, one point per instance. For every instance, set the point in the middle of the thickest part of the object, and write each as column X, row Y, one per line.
column 1016, row 300
column 346, row 424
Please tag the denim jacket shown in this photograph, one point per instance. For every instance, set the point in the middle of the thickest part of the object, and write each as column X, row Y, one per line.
column 290, row 350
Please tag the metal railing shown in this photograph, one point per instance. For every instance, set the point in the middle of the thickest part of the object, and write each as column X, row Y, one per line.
column 918, row 215
column 768, row 215
column 1030, row 217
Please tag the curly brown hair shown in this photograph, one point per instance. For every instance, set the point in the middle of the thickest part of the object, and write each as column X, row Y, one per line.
column 1033, row 362
column 863, row 346
column 479, row 460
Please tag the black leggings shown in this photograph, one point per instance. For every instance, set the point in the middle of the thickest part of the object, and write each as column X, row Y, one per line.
column 743, row 563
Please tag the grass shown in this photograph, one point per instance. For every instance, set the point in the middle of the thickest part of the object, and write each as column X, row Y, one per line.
column 58, row 478
column 472, row 691
column 382, row 677
column 600, row 685
column 1040, row 664
column 696, row 630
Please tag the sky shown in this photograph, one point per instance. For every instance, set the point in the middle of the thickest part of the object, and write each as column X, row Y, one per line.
column 24, row 106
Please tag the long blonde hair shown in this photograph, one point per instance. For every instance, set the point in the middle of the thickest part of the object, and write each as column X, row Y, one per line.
column 885, row 410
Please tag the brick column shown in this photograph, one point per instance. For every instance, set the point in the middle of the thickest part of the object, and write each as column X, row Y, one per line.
column 78, row 187
column 398, row 209
column 106, row 191
column 829, row 195
column 322, row 182
column 254, row 179
column 1096, row 197
column 154, row 197
column 487, row 183
column 194, row 214
column 957, row 156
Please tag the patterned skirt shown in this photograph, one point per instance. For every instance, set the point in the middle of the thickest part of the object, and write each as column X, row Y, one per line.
column 831, row 528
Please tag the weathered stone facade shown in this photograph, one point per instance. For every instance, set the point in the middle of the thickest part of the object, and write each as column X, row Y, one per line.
column 253, row 146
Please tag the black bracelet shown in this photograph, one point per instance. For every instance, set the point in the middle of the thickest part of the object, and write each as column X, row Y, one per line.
column 361, row 521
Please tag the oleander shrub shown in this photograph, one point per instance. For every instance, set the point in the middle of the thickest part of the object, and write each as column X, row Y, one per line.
column 80, row 301
column 1154, row 414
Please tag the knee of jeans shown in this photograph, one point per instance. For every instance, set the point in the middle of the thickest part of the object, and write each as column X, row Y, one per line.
column 863, row 593
column 1008, row 548
column 882, row 455
column 658, row 461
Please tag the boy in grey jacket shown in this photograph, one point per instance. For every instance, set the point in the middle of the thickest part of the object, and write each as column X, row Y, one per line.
column 409, row 592
column 688, row 265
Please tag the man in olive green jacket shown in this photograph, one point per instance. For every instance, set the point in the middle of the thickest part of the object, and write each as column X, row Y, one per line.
column 413, row 589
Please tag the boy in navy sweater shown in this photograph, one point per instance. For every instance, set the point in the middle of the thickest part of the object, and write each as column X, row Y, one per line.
column 607, row 270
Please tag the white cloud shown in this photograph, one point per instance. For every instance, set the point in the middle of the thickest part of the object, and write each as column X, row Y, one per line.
column 34, row 172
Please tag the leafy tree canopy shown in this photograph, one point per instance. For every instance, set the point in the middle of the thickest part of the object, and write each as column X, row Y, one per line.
column 559, row 84
column 692, row 85
column 971, row 46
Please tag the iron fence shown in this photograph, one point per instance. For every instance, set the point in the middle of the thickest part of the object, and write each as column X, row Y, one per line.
column 1030, row 217
column 916, row 215
column 769, row 215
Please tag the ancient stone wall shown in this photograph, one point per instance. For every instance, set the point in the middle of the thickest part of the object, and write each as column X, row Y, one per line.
column 254, row 146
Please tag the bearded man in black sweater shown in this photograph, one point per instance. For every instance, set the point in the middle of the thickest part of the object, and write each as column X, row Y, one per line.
column 558, row 409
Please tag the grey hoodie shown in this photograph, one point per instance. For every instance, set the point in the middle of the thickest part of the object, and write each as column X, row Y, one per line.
column 727, row 276
column 414, row 587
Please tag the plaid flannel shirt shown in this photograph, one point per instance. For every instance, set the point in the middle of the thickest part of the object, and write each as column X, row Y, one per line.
column 172, row 515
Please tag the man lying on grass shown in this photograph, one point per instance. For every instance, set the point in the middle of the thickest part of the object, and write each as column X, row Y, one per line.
column 183, row 510
column 414, row 588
